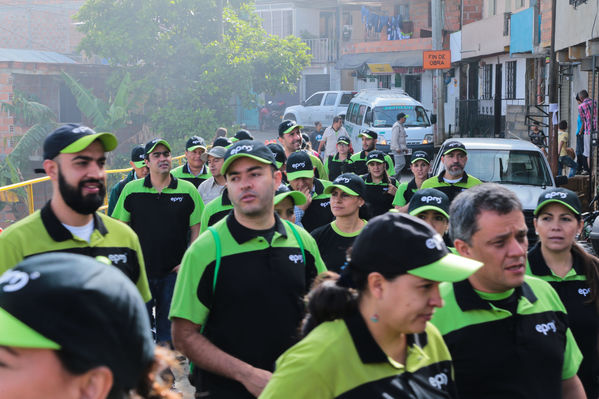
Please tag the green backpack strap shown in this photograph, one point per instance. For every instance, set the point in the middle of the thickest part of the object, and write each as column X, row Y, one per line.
column 298, row 238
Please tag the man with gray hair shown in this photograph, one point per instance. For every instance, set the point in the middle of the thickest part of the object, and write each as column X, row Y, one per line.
column 453, row 179
column 507, row 332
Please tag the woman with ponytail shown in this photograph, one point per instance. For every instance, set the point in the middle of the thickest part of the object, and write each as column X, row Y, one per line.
column 368, row 332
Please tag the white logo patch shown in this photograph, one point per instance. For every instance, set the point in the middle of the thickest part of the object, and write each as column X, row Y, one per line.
column 342, row 180
column 325, row 204
column 15, row 280
column 177, row 199
column 296, row 258
column 117, row 258
column 439, row 380
column 244, row 147
column 298, row 165
column 544, row 328
column 81, row 129
column 430, row 198
column 584, row 291
column 554, row 194
column 435, row 242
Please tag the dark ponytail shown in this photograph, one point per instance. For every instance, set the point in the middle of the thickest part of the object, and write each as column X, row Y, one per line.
column 590, row 266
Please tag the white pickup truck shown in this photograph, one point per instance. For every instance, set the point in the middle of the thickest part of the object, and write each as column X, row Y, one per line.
column 321, row 106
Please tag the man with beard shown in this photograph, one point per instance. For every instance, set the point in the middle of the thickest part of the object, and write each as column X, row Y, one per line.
column 194, row 170
column 290, row 137
column 162, row 210
column 358, row 160
column 453, row 179
column 74, row 159
column 242, row 282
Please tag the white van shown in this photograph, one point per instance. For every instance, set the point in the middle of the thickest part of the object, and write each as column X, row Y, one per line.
column 377, row 109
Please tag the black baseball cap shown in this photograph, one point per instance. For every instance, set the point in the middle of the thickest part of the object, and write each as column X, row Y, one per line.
column 150, row 145
column 77, row 305
column 453, row 146
column 279, row 152
column 242, row 134
column 287, row 126
column 424, row 253
column 349, row 183
column 247, row 148
column 195, row 142
column 221, row 142
column 420, row 155
column 369, row 134
column 138, row 154
column 375, row 156
column 429, row 199
column 299, row 165
column 283, row 192
column 343, row 140
column 560, row 195
column 72, row 138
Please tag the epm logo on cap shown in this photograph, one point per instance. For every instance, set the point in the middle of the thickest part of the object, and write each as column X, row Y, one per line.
column 238, row 149
column 429, row 198
column 554, row 194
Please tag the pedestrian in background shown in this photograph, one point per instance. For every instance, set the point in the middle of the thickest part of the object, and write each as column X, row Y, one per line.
column 330, row 136
column 580, row 158
column 399, row 144
column 564, row 159
column 316, row 134
column 139, row 170
column 340, row 162
column 215, row 184
column 588, row 114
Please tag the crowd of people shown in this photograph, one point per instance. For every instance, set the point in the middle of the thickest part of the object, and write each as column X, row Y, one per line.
column 279, row 276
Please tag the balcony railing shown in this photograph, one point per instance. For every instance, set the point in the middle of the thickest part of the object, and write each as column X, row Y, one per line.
column 323, row 50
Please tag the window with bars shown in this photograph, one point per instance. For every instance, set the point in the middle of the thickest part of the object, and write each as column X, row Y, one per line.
column 277, row 22
column 488, row 82
column 510, row 79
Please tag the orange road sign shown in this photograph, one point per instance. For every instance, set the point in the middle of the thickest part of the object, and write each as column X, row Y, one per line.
column 438, row 59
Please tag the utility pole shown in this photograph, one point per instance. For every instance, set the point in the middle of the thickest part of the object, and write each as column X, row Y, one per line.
column 552, row 95
column 437, row 21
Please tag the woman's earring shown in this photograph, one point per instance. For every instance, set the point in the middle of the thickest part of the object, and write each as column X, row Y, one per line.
column 374, row 318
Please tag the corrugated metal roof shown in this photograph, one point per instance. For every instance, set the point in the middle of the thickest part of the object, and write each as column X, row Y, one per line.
column 42, row 57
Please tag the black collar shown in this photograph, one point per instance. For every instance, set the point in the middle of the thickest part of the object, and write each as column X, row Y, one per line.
column 60, row 233
column 412, row 185
column 225, row 198
column 242, row 234
column 464, row 178
column 367, row 348
column 188, row 171
column 336, row 158
column 368, row 179
column 318, row 187
column 172, row 184
column 363, row 154
column 539, row 267
column 468, row 299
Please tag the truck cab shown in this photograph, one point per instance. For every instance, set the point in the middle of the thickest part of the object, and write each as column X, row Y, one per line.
column 321, row 106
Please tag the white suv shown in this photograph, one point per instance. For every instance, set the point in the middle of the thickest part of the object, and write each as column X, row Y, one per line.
column 321, row 107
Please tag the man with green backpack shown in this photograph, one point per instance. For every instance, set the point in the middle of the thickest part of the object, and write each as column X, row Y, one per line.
column 238, row 297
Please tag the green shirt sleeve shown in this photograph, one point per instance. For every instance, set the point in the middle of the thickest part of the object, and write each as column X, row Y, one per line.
column 322, row 172
column 311, row 246
column 198, row 210
column 390, row 166
column 113, row 198
column 120, row 212
column 142, row 281
column 572, row 357
column 399, row 199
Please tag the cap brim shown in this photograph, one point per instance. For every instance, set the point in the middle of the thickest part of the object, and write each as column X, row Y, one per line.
column 233, row 158
column 279, row 164
column 420, row 159
column 549, row 201
column 345, row 189
column 297, row 197
column 163, row 142
column 450, row 268
column 139, row 164
column 196, row 147
column 365, row 135
column 109, row 142
column 424, row 208
column 302, row 173
column 375, row 160
column 17, row 334
column 289, row 129
column 455, row 149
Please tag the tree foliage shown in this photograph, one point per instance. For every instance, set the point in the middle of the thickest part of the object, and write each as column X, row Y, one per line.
column 175, row 52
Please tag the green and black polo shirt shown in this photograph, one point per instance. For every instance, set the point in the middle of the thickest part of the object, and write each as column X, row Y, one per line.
column 259, row 291
column 404, row 193
column 336, row 167
column 359, row 164
column 319, row 211
column 341, row 359
column 583, row 319
column 161, row 220
column 333, row 245
column 42, row 232
column 183, row 172
column 377, row 195
column 320, row 171
column 116, row 191
column 215, row 210
column 500, row 354
column 450, row 189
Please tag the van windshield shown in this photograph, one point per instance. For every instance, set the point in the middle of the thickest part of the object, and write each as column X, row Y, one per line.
column 386, row 116
column 509, row 167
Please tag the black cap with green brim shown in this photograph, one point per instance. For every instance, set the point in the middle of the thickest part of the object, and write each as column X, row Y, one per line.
column 250, row 149
column 279, row 152
column 429, row 199
column 242, row 135
column 221, row 142
column 194, row 143
column 454, row 146
column 287, row 126
column 150, row 145
column 78, row 305
column 559, row 195
column 369, row 134
column 137, row 156
column 283, row 192
column 375, row 156
column 72, row 138
column 423, row 252
column 343, row 140
column 420, row 156
column 349, row 183
column 299, row 165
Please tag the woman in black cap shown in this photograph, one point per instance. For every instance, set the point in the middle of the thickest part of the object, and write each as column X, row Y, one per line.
column 572, row 272
column 375, row 339
column 340, row 162
column 380, row 187
column 75, row 328
column 333, row 239
column 419, row 166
